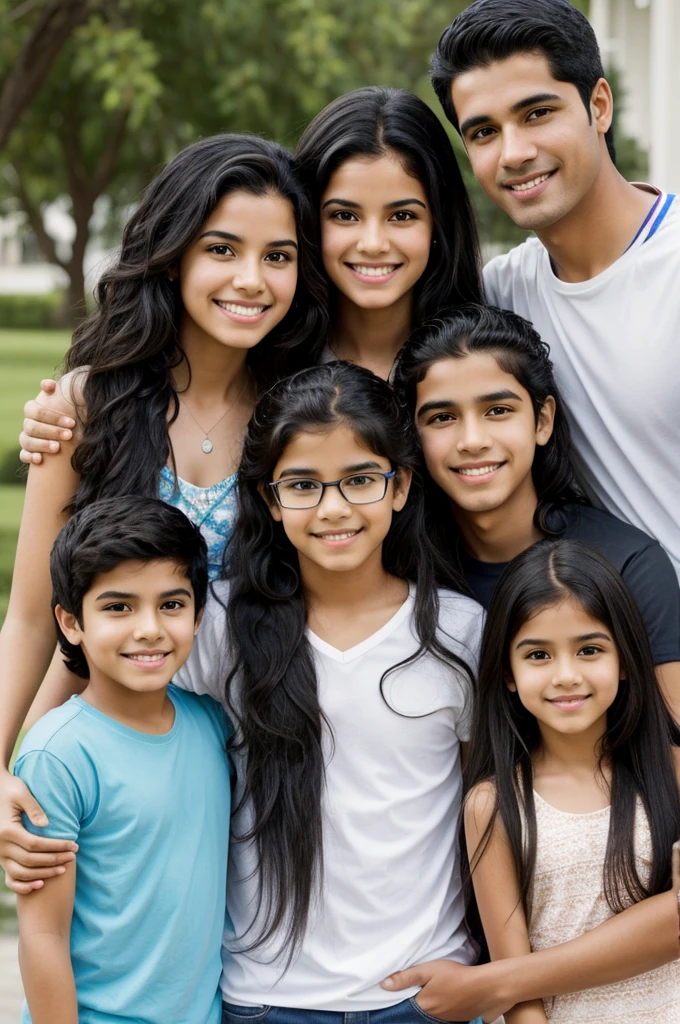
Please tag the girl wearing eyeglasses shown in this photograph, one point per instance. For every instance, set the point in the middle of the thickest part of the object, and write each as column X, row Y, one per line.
column 347, row 675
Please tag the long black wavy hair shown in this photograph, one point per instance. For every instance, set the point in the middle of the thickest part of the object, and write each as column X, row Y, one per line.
column 272, row 687
column 518, row 350
column 131, row 342
column 373, row 122
column 635, row 746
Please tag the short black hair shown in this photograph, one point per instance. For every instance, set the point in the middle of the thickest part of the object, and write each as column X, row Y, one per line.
column 493, row 30
column 115, row 530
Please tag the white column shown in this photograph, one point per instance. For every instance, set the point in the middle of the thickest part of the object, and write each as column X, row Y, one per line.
column 664, row 41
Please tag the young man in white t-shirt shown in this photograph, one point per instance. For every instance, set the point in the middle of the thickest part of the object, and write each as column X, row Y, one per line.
column 522, row 81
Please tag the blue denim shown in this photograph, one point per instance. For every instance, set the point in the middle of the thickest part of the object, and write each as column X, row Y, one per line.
column 407, row 1012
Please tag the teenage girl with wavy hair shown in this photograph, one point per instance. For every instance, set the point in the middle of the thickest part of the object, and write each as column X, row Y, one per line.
column 211, row 296
column 347, row 676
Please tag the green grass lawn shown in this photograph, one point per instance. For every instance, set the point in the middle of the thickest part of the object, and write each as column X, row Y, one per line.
column 25, row 357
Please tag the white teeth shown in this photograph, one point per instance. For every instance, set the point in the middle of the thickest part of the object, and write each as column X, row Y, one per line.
column 372, row 271
column 339, row 536
column 232, row 307
column 529, row 184
column 146, row 657
column 480, row 471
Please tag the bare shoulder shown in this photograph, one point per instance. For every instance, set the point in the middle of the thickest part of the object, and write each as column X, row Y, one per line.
column 480, row 804
column 68, row 394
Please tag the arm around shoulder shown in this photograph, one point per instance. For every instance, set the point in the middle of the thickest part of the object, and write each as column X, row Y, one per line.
column 28, row 636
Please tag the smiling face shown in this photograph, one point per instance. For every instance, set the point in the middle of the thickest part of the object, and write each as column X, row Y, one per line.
column 336, row 535
column 376, row 231
column 530, row 142
column 565, row 669
column 479, row 432
column 137, row 625
column 238, row 278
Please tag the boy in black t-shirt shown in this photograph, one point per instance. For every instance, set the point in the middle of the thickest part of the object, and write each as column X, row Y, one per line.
column 497, row 445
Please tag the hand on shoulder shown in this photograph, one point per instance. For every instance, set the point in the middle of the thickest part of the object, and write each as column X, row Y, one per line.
column 51, row 417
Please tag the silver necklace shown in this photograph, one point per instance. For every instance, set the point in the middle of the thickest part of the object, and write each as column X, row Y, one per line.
column 207, row 445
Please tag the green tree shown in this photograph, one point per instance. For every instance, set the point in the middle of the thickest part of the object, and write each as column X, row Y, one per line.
column 145, row 77
column 31, row 36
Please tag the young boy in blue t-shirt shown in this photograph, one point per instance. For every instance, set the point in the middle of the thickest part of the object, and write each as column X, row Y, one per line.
column 136, row 772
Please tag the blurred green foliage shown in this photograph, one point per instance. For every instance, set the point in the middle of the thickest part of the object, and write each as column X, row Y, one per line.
column 142, row 78
column 29, row 310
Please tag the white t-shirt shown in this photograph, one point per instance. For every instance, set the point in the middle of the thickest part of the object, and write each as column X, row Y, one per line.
column 615, row 343
column 391, row 894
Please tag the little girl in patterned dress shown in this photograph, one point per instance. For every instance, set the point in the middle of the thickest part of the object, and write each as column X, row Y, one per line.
column 572, row 807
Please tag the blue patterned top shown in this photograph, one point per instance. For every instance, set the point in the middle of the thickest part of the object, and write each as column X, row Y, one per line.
column 211, row 509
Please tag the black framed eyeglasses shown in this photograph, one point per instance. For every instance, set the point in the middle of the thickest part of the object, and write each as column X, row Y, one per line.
column 357, row 489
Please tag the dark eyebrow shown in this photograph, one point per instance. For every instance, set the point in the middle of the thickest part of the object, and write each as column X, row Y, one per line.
column 446, row 403
column 499, row 396
column 220, row 234
column 540, row 97
column 357, row 468
column 362, row 465
column 581, row 639
column 341, row 202
column 236, row 238
column 439, row 403
column 530, row 101
column 404, row 202
column 118, row 595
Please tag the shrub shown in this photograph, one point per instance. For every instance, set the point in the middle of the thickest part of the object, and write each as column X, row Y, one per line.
column 36, row 311
column 12, row 470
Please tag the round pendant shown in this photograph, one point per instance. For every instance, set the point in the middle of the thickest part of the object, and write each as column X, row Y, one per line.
column 207, row 446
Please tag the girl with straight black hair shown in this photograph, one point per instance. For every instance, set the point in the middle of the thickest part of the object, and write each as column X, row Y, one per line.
column 572, row 805
column 211, row 296
column 397, row 232
column 347, row 674
column 480, row 385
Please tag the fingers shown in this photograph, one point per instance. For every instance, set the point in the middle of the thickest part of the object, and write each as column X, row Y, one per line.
column 34, row 410
column 48, row 385
column 676, row 867
column 406, row 979
column 22, row 888
column 36, row 430
column 26, row 802
column 17, row 873
column 30, row 459
column 15, row 855
column 15, row 835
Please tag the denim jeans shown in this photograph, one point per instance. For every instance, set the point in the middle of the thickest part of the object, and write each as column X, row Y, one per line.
column 407, row 1012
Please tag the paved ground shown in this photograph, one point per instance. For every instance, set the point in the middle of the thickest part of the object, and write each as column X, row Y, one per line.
column 10, row 982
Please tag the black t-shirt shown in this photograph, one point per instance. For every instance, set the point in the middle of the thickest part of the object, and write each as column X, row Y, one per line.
column 644, row 565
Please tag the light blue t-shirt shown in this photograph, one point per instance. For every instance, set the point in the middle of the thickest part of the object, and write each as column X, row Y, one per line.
column 151, row 817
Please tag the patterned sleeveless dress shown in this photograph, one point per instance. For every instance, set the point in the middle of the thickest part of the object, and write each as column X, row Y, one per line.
column 568, row 900
column 211, row 509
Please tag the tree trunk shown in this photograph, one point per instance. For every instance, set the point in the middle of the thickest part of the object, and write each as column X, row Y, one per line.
column 54, row 26
column 73, row 309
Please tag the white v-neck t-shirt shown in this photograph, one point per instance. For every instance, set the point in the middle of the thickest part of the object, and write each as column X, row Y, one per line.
column 391, row 894
column 615, row 343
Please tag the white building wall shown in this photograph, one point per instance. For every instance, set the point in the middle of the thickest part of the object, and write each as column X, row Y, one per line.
column 642, row 39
